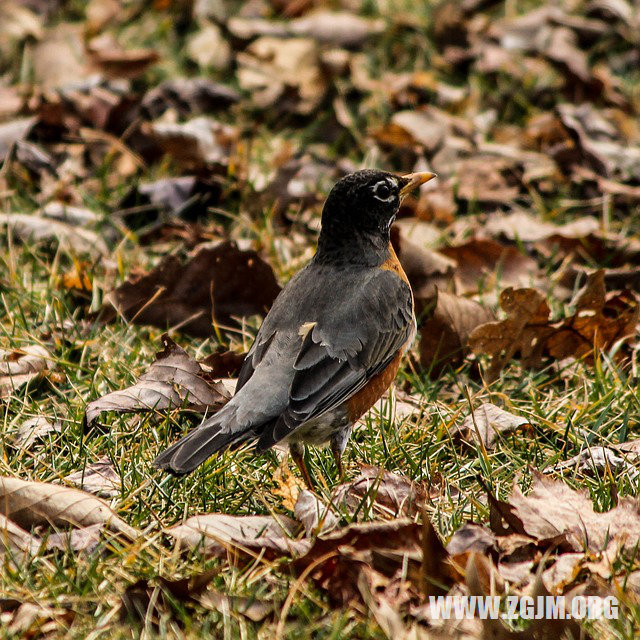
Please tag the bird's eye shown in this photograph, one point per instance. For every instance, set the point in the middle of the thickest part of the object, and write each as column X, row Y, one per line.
column 382, row 191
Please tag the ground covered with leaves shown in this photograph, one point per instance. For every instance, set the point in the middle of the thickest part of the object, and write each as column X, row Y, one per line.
column 163, row 167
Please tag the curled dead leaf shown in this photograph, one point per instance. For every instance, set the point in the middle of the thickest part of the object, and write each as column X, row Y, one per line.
column 174, row 380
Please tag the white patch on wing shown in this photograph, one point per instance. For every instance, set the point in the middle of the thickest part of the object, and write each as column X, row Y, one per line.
column 305, row 328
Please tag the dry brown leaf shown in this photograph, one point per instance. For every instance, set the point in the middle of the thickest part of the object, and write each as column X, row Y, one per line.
column 601, row 461
column 222, row 282
column 525, row 227
column 33, row 430
column 32, row 620
column 338, row 28
column 472, row 537
column 31, row 504
column 384, row 493
column 107, row 56
column 224, row 364
column 15, row 541
column 12, row 131
column 188, row 97
column 218, row 534
column 553, row 509
column 527, row 318
column 445, row 332
column 486, row 422
column 199, row 144
column 85, row 539
column 99, row 478
column 283, row 73
column 483, row 263
column 19, row 367
column 599, row 322
column 317, row 517
column 34, row 228
column 174, row 380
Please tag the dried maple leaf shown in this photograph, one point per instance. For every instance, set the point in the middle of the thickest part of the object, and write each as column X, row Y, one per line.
column 598, row 323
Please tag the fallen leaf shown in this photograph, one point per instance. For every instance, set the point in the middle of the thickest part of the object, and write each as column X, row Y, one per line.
column 525, row 227
column 471, row 537
column 217, row 534
column 12, row 131
column 598, row 323
column 187, row 197
column 224, row 364
column 283, row 73
column 99, row 478
column 32, row 431
column 553, row 509
column 338, row 28
column 208, row 48
column 85, row 539
column 19, row 367
column 174, row 380
column 116, row 62
column 188, row 97
column 444, row 334
column 599, row 461
column 34, row 228
column 317, row 517
column 222, row 282
column 480, row 264
column 31, row 504
column 380, row 492
column 199, row 144
column 33, row 620
column 146, row 600
column 486, row 422
column 15, row 541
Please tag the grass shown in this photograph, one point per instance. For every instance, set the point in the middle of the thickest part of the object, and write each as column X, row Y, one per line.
column 570, row 409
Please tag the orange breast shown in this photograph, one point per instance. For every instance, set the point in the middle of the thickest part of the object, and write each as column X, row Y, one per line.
column 393, row 264
column 362, row 401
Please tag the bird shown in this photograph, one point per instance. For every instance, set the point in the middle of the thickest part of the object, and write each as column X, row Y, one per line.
column 332, row 341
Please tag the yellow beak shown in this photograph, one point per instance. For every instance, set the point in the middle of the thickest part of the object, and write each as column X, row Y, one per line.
column 414, row 180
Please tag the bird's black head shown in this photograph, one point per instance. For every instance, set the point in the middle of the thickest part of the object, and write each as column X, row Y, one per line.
column 362, row 206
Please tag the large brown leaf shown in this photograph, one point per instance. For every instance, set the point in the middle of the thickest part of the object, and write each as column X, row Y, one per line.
column 219, row 533
column 445, row 333
column 173, row 380
column 221, row 282
column 552, row 508
column 30, row 504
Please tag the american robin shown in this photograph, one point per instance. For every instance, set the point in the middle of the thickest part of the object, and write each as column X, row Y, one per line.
column 332, row 342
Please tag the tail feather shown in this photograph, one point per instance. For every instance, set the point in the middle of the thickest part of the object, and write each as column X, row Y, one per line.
column 193, row 449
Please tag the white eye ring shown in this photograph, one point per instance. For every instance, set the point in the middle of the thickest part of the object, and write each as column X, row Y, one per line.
column 378, row 186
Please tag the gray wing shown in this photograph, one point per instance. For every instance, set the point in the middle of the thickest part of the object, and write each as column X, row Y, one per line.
column 343, row 349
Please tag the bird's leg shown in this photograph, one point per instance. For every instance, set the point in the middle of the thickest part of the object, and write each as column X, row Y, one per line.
column 338, row 444
column 297, row 453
